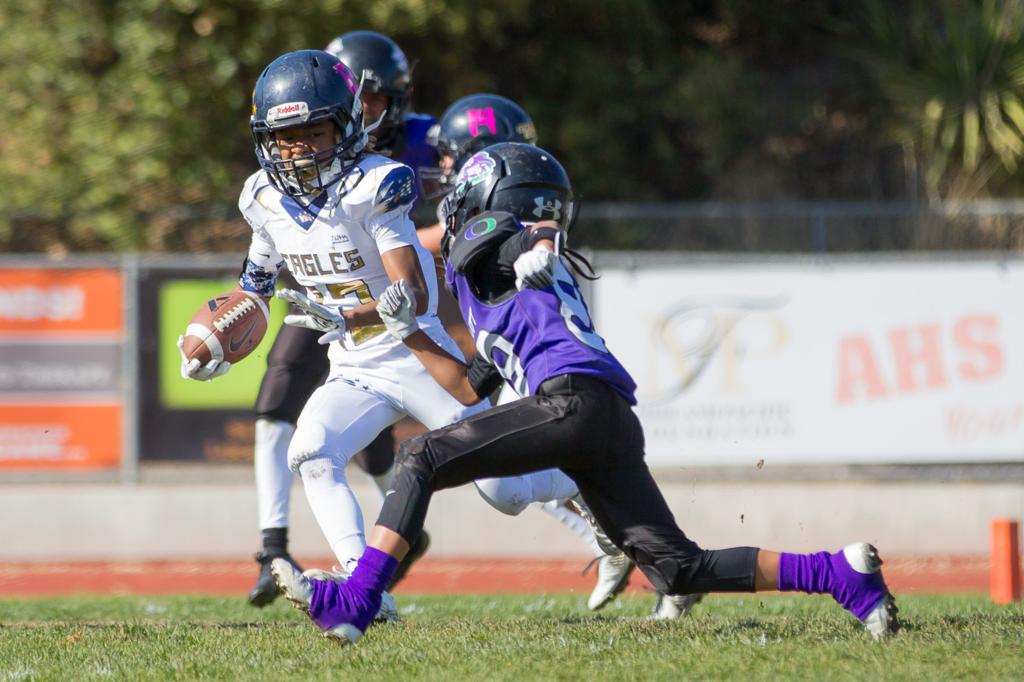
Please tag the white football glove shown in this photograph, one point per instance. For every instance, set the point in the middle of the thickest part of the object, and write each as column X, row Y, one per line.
column 193, row 369
column 535, row 268
column 317, row 316
column 397, row 309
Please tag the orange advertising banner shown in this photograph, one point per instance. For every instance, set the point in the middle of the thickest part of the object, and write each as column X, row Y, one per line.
column 49, row 301
column 57, row 436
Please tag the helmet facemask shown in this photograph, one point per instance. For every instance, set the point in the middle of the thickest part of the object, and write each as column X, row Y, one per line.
column 437, row 181
column 388, row 125
column 471, row 195
column 305, row 176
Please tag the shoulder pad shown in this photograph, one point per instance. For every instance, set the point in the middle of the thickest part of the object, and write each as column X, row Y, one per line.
column 398, row 188
column 350, row 181
column 253, row 186
column 481, row 236
column 253, row 202
column 359, row 185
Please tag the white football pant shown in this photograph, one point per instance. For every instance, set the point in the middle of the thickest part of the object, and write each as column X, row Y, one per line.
column 344, row 415
column 273, row 477
column 550, row 488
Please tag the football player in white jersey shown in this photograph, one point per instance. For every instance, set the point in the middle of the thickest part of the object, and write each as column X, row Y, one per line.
column 337, row 218
column 296, row 364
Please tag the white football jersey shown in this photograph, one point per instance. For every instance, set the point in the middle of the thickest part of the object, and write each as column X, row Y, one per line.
column 333, row 247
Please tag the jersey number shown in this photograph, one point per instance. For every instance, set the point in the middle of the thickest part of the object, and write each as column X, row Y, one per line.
column 577, row 320
column 511, row 369
column 574, row 310
column 362, row 293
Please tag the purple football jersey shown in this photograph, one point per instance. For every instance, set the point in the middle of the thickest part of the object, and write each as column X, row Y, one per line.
column 538, row 334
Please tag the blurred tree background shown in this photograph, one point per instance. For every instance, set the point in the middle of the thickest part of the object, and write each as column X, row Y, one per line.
column 127, row 120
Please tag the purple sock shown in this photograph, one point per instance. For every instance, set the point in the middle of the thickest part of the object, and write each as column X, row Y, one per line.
column 811, row 573
column 374, row 570
column 354, row 601
column 831, row 573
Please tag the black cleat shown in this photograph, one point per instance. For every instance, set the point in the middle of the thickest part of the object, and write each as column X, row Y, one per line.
column 265, row 591
column 417, row 550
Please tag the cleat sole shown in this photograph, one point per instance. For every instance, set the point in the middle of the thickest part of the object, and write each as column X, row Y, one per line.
column 282, row 580
column 344, row 634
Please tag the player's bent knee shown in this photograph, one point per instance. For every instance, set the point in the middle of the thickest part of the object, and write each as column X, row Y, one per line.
column 410, row 450
column 299, row 453
column 412, row 460
column 508, row 495
column 297, row 457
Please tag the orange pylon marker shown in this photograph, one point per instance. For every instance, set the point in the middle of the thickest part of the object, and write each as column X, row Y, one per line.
column 1004, row 586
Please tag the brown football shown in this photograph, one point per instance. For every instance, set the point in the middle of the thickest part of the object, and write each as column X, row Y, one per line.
column 227, row 327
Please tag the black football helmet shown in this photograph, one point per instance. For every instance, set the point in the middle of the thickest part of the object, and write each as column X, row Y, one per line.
column 466, row 127
column 380, row 66
column 518, row 178
column 297, row 88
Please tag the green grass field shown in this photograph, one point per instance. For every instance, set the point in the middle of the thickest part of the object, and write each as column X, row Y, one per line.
column 505, row 638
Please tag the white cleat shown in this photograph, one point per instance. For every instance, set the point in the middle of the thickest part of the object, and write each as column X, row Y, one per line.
column 602, row 539
column 299, row 592
column 612, row 577
column 292, row 583
column 882, row 622
column 864, row 577
column 674, row 606
column 388, row 608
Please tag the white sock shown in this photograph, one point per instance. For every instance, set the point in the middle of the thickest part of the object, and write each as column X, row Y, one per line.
column 335, row 508
column 273, row 478
column 574, row 522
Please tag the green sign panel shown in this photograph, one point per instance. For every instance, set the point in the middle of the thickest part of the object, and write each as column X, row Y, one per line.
column 178, row 302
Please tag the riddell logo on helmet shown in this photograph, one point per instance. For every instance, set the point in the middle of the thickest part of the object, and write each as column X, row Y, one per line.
column 288, row 110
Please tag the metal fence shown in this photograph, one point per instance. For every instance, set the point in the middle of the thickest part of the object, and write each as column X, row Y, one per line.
column 802, row 227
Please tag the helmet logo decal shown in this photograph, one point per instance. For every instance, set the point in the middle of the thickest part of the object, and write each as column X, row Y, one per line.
column 481, row 118
column 346, row 73
column 288, row 111
column 476, row 170
column 474, row 231
column 555, row 206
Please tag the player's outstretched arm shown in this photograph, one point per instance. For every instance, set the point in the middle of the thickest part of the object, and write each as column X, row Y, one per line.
column 449, row 372
column 396, row 308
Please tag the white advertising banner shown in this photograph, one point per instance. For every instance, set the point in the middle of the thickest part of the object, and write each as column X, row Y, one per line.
column 845, row 362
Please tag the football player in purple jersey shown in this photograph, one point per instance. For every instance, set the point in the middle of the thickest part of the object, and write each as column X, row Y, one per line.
column 534, row 331
column 297, row 364
column 468, row 125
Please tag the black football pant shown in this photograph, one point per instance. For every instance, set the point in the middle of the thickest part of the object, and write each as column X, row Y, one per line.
column 296, row 366
column 583, row 427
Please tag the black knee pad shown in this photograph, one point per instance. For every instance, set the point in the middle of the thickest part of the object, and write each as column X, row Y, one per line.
column 408, row 451
column 668, row 573
column 405, row 510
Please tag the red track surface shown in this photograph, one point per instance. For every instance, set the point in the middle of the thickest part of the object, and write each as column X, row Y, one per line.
column 437, row 576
